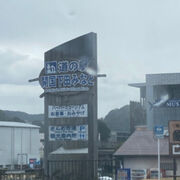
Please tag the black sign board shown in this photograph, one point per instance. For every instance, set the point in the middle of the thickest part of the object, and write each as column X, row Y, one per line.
column 70, row 98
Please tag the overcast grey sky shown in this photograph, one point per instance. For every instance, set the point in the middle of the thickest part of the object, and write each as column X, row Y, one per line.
column 135, row 37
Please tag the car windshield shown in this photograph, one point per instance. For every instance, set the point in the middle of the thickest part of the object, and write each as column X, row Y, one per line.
column 89, row 89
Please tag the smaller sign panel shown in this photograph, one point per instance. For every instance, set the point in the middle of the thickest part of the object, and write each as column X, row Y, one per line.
column 68, row 111
column 32, row 163
column 159, row 131
column 124, row 174
column 74, row 133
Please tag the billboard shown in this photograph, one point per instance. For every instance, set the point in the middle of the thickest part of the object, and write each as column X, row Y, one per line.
column 70, row 97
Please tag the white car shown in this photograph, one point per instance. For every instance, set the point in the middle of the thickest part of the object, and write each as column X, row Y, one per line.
column 105, row 178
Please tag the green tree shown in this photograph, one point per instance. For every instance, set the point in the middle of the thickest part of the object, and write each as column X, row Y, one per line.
column 40, row 124
column 3, row 116
column 16, row 119
column 103, row 130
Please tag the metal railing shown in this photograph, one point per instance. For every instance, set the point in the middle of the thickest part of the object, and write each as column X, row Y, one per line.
column 79, row 169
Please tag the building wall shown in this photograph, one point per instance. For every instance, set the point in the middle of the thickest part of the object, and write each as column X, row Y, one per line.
column 158, row 85
column 17, row 141
column 140, row 162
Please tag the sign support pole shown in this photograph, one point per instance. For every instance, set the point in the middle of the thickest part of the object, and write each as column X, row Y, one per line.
column 159, row 133
column 174, row 169
column 159, row 170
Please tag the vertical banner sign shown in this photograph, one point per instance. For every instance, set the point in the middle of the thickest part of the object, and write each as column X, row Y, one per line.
column 174, row 138
column 70, row 97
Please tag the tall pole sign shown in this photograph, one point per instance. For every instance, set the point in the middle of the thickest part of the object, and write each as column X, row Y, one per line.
column 159, row 133
column 70, row 100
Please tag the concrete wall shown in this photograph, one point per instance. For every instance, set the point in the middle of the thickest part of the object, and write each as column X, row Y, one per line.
column 140, row 162
column 148, row 162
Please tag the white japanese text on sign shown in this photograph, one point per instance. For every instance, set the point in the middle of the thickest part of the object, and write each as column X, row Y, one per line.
column 77, row 132
column 68, row 111
column 67, row 75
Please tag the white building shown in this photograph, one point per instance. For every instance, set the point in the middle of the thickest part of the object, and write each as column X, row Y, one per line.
column 140, row 152
column 19, row 143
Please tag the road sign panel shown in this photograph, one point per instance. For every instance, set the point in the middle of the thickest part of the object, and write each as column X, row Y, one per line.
column 159, row 131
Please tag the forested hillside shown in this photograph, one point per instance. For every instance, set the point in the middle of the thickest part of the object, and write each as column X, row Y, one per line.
column 118, row 119
column 4, row 117
column 29, row 118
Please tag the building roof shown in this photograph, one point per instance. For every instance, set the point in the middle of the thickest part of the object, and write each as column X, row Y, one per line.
column 17, row 124
column 143, row 143
column 137, row 85
column 162, row 74
column 61, row 150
